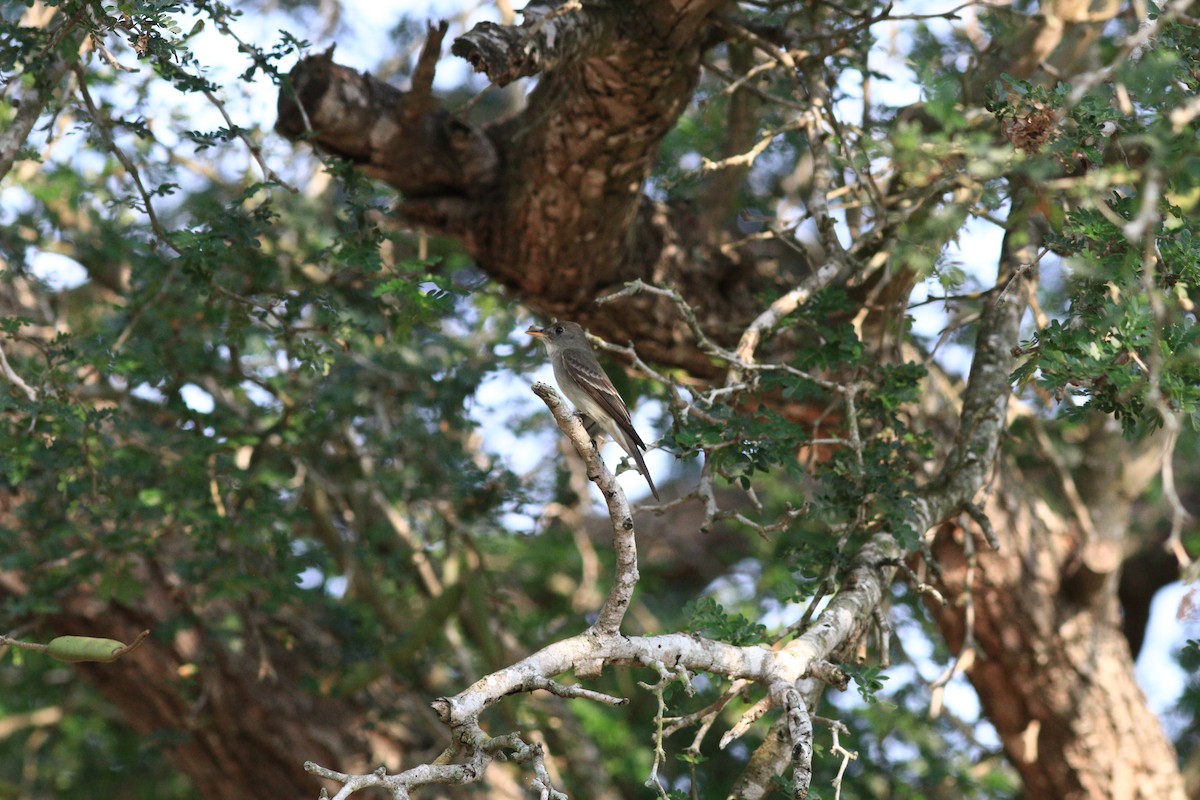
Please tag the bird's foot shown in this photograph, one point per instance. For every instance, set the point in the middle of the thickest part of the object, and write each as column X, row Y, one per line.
column 591, row 426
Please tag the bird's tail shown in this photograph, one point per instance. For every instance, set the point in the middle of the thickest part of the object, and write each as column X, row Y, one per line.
column 632, row 449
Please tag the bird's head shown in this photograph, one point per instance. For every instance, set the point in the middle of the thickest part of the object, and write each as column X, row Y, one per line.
column 559, row 334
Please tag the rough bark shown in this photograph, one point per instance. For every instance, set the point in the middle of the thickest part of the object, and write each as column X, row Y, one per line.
column 551, row 201
column 1054, row 672
column 1051, row 666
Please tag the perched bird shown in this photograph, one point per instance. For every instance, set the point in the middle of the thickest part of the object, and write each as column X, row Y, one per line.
column 583, row 381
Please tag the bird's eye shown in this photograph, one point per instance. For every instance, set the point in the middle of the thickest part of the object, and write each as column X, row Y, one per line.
column 558, row 329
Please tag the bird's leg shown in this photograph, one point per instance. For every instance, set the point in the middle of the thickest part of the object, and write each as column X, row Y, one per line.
column 591, row 426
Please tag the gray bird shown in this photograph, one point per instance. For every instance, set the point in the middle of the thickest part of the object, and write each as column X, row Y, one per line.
column 585, row 384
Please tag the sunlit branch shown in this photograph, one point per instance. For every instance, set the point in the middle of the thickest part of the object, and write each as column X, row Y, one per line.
column 626, row 574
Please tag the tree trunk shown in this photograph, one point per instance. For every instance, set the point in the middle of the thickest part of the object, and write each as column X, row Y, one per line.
column 1052, row 668
column 239, row 720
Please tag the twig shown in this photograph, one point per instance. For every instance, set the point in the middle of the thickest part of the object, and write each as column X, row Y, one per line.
column 836, row 749
column 102, row 125
column 254, row 148
column 705, row 343
column 709, row 713
column 919, row 586
column 1082, row 84
column 420, row 97
column 783, row 307
column 1179, row 514
column 15, row 379
column 750, row 716
column 743, row 83
column 572, row 692
column 985, row 525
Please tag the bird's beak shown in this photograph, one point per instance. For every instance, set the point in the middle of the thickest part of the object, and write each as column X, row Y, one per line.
column 536, row 332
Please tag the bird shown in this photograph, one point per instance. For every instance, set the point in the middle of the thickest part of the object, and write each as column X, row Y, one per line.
column 584, row 382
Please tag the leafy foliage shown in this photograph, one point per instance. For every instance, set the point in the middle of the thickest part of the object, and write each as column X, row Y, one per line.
column 709, row 619
column 259, row 389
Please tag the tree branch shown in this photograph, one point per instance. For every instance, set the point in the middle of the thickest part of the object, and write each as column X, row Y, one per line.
column 30, row 105
column 438, row 162
column 553, row 32
column 626, row 575
column 550, row 201
column 985, row 400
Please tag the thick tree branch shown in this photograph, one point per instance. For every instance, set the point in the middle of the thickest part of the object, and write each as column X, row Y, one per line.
column 439, row 162
column 982, row 423
column 552, row 32
column 421, row 95
column 550, row 202
column 985, row 400
column 1053, row 707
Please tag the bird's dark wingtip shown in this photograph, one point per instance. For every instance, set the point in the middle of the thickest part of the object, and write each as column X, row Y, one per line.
column 653, row 490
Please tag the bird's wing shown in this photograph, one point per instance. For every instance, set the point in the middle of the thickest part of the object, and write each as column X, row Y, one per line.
column 589, row 375
column 591, row 378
